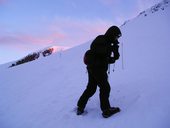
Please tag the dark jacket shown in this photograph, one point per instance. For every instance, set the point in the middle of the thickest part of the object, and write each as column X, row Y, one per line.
column 101, row 50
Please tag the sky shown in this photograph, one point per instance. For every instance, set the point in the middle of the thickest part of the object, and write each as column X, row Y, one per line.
column 30, row 25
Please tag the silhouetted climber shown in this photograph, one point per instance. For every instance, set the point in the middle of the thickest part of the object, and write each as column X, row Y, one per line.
column 97, row 59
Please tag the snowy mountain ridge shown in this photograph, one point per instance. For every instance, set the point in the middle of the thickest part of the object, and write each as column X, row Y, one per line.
column 161, row 6
column 36, row 55
column 157, row 7
column 44, row 93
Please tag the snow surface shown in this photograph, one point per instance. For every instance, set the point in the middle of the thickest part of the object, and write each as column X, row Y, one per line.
column 44, row 93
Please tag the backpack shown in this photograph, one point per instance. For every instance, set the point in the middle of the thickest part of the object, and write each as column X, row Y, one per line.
column 88, row 57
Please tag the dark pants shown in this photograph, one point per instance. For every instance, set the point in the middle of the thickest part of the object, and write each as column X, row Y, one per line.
column 96, row 78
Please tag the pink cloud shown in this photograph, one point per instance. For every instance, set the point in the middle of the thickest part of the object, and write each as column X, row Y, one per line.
column 34, row 40
column 63, row 32
column 27, row 44
column 17, row 38
column 79, row 31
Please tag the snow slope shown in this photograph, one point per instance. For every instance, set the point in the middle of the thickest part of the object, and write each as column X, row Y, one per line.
column 44, row 93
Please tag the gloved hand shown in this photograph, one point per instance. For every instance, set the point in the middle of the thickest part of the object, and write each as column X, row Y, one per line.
column 115, row 47
column 111, row 60
column 116, row 55
column 115, row 50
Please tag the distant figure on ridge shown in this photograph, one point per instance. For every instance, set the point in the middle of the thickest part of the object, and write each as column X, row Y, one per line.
column 97, row 60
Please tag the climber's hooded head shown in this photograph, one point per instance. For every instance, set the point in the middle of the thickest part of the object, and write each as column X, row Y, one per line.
column 113, row 33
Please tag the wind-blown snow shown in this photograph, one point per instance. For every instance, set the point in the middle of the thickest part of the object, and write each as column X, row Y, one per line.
column 44, row 93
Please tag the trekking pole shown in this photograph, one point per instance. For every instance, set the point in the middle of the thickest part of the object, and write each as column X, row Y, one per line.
column 109, row 69
column 122, row 58
column 108, row 72
column 113, row 67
